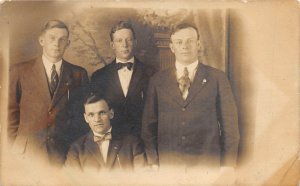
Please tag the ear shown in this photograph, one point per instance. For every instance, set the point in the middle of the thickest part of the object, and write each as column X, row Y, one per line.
column 199, row 45
column 85, row 118
column 41, row 40
column 134, row 43
column 171, row 46
column 111, row 113
column 69, row 42
column 112, row 45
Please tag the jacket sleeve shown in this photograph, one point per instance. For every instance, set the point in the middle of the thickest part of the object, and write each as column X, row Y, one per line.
column 72, row 160
column 139, row 160
column 149, row 124
column 15, row 93
column 228, row 120
column 85, row 78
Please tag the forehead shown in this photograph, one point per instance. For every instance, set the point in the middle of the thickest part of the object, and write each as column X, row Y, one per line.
column 185, row 33
column 96, row 107
column 59, row 32
column 124, row 32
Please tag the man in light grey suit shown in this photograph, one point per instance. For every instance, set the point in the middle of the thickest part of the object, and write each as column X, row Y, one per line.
column 190, row 116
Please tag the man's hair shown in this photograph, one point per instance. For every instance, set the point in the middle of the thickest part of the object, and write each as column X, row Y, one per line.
column 119, row 26
column 93, row 97
column 54, row 24
column 183, row 26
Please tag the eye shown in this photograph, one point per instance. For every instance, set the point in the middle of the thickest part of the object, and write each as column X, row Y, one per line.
column 178, row 42
column 91, row 114
column 118, row 40
column 102, row 113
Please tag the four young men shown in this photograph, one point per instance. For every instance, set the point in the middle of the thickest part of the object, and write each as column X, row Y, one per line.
column 185, row 116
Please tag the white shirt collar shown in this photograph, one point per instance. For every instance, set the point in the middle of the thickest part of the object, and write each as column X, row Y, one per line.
column 191, row 67
column 101, row 135
column 48, row 65
column 131, row 60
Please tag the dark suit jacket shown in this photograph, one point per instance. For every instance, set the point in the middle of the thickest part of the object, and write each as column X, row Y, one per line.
column 123, row 153
column 129, row 109
column 35, row 120
column 201, row 130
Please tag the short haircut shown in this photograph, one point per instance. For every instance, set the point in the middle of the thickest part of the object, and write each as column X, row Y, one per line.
column 183, row 26
column 93, row 97
column 54, row 24
column 119, row 26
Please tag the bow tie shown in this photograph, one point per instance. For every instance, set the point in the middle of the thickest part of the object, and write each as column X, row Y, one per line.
column 100, row 139
column 129, row 65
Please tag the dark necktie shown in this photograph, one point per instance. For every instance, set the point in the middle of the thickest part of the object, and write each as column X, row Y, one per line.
column 129, row 65
column 100, row 139
column 54, row 80
column 184, row 81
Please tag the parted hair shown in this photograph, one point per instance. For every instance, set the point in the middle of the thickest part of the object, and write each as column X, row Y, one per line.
column 54, row 24
column 93, row 97
column 181, row 26
column 121, row 25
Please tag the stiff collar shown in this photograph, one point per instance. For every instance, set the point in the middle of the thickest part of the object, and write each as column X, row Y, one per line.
column 131, row 60
column 191, row 67
column 48, row 64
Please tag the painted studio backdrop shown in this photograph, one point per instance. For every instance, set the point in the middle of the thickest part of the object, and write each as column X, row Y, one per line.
column 90, row 25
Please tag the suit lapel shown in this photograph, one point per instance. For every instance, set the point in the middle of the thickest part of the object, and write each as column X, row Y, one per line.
column 116, row 84
column 114, row 147
column 64, row 83
column 39, row 78
column 93, row 148
column 197, row 84
column 135, row 78
column 171, row 86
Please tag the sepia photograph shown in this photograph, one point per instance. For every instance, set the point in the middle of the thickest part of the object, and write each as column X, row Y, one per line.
column 156, row 92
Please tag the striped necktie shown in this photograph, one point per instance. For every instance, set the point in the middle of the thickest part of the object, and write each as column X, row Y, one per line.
column 54, row 80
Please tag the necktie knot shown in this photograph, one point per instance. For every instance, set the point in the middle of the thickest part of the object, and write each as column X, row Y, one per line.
column 100, row 139
column 129, row 65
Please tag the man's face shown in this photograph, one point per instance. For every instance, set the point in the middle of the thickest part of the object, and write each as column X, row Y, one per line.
column 98, row 116
column 123, row 44
column 54, row 42
column 185, row 45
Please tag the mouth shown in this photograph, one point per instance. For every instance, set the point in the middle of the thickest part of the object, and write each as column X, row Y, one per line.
column 99, row 124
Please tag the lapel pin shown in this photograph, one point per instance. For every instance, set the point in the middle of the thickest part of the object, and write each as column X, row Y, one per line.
column 67, row 84
column 204, row 81
column 115, row 147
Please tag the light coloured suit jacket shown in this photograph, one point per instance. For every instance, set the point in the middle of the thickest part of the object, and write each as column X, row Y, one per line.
column 201, row 130
column 37, row 122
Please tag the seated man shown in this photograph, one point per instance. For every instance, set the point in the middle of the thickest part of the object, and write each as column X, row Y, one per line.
column 98, row 149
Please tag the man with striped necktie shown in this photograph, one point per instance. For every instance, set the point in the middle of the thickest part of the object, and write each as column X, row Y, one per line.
column 40, row 90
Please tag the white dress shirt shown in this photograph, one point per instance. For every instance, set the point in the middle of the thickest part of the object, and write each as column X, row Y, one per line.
column 48, row 67
column 104, row 146
column 125, row 75
column 192, row 68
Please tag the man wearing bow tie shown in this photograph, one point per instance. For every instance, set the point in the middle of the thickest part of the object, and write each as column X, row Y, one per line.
column 124, row 81
column 40, row 89
column 190, row 117
column 100, row 149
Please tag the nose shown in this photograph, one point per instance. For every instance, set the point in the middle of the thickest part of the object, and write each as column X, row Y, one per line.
column 97, row 117
column 124, row 43
column 56, row 42
column 185, row 45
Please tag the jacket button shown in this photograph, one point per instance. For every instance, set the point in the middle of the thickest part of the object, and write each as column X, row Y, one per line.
column 183, row 137
column 183, row 109
column 183, row 123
